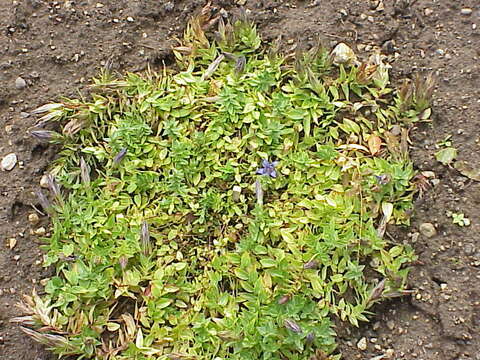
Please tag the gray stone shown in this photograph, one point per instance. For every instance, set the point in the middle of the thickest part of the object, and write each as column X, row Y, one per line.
column 469, row 249
column 20, row 83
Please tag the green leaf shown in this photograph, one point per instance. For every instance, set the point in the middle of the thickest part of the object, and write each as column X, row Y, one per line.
column 163, row 303
column 241, row 274
column 297, row 114
column 112, row 327
column 267, row 263
column 68, row 249
column 446, row 156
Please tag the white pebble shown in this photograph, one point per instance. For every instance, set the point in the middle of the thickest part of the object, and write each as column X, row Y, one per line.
column 343, row 54
column 362, row 344
column 44, row 182
column 40, row 231
column 9, row 162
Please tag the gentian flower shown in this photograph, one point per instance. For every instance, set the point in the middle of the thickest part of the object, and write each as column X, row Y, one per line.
column 293, row 326
column 43, row 135
column 119, row 157
column 42, row 199
column 268, row 168
column 383, row 179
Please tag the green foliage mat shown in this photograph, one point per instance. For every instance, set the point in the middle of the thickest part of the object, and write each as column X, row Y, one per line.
column 233, row 209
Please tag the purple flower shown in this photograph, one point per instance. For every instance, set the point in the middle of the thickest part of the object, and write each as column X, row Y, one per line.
column 43, row 135
column 383, row 179
column 119, row 157
column 268, row 168
column 293, row 326
column 42, row 199
column 310, row 337
column 312, row 264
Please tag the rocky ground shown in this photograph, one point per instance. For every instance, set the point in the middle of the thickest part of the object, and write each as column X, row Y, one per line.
column 50, row 49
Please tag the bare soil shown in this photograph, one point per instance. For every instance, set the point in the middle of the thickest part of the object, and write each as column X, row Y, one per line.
column 56, row 46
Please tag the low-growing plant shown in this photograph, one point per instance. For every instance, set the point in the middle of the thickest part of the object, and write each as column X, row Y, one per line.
column 231, row 209
column 458, row 218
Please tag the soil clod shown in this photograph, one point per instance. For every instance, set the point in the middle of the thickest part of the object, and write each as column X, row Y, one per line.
column 428, row 230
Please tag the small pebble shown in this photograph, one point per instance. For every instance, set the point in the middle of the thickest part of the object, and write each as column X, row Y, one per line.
column 428, row 12
column 40, row 231
column 435, row 182
column 343, row 54
column 415, row 237
column 169, row 6
column 390, row 325
column 130, row 19
column 20, row 83
column 16, row 257
column 44, row 182
column 469, row 249
column 466, row 11
column 9, row 162
column 362, row 344
column 389, row 353
column 428, row 174
column 33, row 218
column 428, row 230
column 11, row 243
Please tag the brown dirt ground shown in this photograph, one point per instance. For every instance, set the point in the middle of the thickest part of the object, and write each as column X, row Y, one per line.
column 56, row 46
